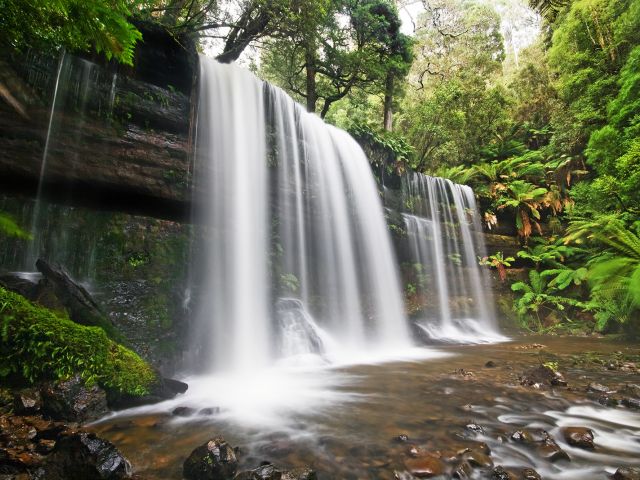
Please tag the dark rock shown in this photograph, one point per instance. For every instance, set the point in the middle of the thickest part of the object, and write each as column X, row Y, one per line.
column 18, row 284
column 402, row 438
column 477, row 458
column 578, row 436
column 164, row 389
column 631, row 403
column 209, row 411
column 597, row 388
column 545, row 446
column 82, row 308
column 27, row 401
column 425, row 466
column 82, row 456
column 183, row 411
column 474, row 427
column 490, row 364
column 542, row 376
column 631, row 389
column 462, row 470
column 72, row 400
column 271, row 472
column 499, row 473
column 530, row 474
column 214, row 460
column 627, row 473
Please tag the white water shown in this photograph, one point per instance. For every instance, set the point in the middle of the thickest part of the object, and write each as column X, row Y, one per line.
column 445, row 245
column 291, row 209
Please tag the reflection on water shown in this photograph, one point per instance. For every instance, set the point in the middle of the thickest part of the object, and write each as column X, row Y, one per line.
column 344, row 421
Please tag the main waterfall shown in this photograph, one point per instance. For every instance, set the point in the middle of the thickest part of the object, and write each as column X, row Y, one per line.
column 296, row 247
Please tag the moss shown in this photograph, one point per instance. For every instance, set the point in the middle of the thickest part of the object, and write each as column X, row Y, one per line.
column 38, row 344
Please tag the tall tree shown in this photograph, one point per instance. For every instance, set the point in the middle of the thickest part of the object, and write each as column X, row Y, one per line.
column 328, row 48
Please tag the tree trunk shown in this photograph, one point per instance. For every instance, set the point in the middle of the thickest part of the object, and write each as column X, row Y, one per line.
column 388, row 102
column 310, row 68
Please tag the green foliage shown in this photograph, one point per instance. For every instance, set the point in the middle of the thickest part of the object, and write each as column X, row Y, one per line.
column 289, row 283
column 37, row 344
column 498, row 262
column 10, row 228
column 539, row 299
column 76, row 25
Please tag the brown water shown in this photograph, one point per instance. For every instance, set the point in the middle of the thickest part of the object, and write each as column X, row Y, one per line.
column 351, row 434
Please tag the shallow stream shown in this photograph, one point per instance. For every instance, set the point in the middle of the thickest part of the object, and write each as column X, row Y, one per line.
column 344, row 421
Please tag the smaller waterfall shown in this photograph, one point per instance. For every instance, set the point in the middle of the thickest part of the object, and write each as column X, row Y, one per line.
column 445, row 244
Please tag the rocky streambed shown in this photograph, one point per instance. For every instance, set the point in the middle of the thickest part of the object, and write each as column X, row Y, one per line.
column 551, row 408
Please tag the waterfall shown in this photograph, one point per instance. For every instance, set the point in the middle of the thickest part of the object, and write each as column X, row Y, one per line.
column 445, row 244
column 290, row 210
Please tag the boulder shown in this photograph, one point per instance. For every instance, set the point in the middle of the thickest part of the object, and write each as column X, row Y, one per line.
column 627, row 473
column 214, row 460
column 580, row 437
column 541, row 376
column 72, row 400
column 81, row 456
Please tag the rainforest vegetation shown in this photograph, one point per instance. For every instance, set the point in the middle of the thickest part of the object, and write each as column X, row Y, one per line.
column 546, row 130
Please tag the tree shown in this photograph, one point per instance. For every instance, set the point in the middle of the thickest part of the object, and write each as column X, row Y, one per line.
column 326, row 49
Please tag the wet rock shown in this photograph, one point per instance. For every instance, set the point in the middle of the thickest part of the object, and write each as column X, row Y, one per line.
column 530, row 474
column 82, row 308
column 490, row 364
column 425, row 466
column 578, row 437
column 477, row 458
column 209, row 411
column 542, row 376
column 72, row 400
column 474, row 427
column 183, row 411
column 631, row 403
column 627, row 473
column 82, row 456
column 402, row 438
column 214, row 460
column 27, row 402
column 545, row 446
column 499, row 473
column 550, row 451
column 271, row 472
column 18, row 284
column 164, row 389
column 462, row 470
column 631, row 389
column 597, row 388
column 607, row 401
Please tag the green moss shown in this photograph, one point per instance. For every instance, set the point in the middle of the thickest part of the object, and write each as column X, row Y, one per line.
column 38, row 344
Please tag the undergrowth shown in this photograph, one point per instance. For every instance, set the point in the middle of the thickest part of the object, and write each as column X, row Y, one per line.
column 38, row 344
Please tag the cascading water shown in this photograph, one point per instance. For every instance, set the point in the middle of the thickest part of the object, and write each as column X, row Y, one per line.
column 291, row 210
column 445, row 243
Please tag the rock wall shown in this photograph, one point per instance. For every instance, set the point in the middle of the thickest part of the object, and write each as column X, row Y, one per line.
column 119, row 137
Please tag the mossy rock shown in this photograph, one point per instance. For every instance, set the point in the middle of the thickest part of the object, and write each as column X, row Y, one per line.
column 38, row 344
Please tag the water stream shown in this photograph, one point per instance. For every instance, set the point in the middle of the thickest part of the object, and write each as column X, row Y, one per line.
column 445, row 240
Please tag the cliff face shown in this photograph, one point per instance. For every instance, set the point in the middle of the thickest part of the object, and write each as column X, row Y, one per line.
column 116, row 138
